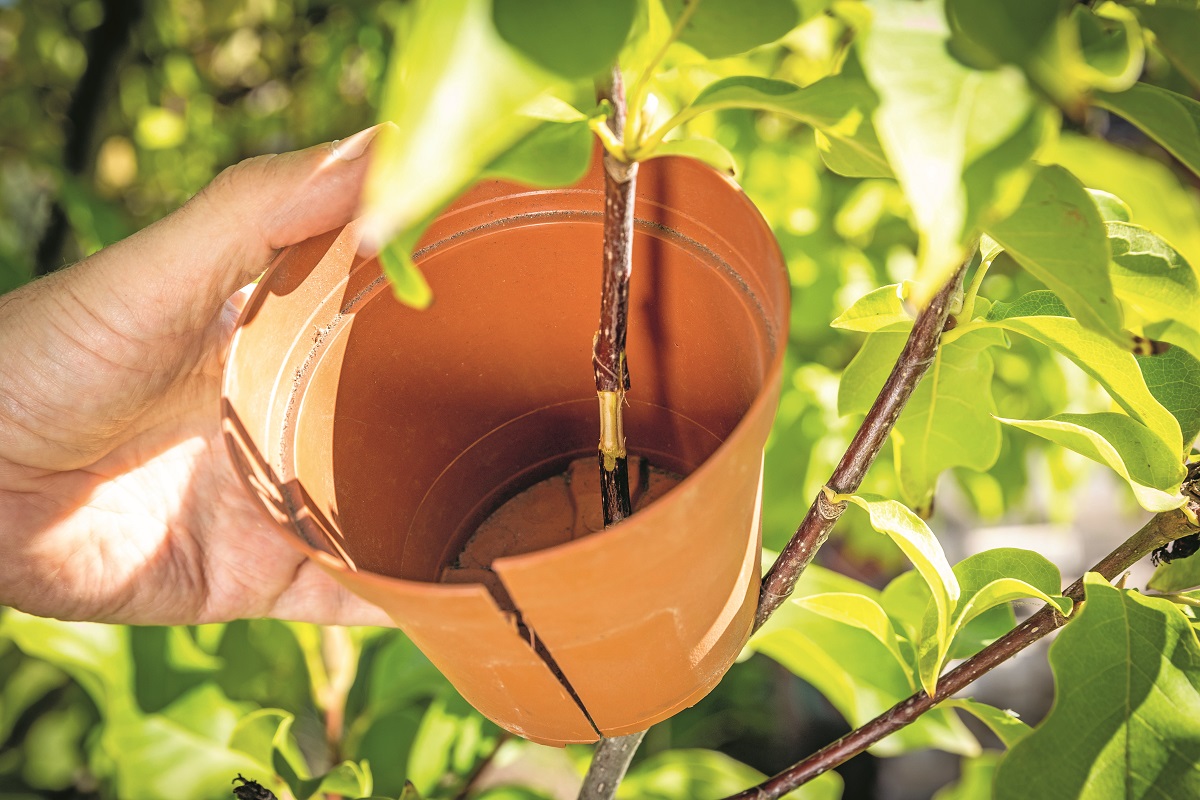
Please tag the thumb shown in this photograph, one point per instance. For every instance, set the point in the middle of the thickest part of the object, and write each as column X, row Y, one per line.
column 179, row 271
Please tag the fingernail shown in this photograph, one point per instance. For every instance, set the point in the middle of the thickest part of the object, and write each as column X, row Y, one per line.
column 354, row 146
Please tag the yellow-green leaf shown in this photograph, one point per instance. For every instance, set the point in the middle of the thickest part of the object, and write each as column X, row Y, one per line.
column 1152, row 469
column 1033, row 315
column 1057, row 234
column 912, row 535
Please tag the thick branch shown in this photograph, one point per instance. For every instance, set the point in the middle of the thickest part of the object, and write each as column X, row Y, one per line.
column 1161, row 529
column 608, row 346
column 914, row 361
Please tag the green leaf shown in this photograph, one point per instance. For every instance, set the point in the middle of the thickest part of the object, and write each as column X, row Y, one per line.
column 858, row 611
column 348, row 779
column 510, row 793
column 94, row 655
column 999, row 179
column 1126, row 716
column 1110, row 42
column 981, row 630
column 1172, row 120
column 1057, row 234
column 947, row 421
column 1178, row 576
column 1154, row 193
column 708, row 775
column 266, row 736
column 555, row 154
column 986, row 580
column 912, row 535
column 1040, row 303
column 1065, row 50
column 1111, row 207
column 408, row 283
column 1176, row 29
column 1007, row 726
column 1173, row 378
column 153, row 757
column 450, row 740
column 1152, row 469
column 258, row 735
column 879, row 309
column 859, row 676
column 26, row 684
column 720, row 28
column 1114, row 368
column 935, row 117
column 1154, row 281
column 838, row 106
column 574, row 40
column 441, row 145
column 976, row 780
column 706, row 150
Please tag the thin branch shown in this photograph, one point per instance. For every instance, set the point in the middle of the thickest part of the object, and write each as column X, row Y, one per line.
column 642, row 82
column 608, row 767
column 472, row 780
column 608, row 347
column 106, row 45
column 612, row 755
column 910, row 367
column 1161, row 529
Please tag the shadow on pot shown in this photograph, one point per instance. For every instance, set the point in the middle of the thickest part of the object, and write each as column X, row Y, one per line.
column 380, row 438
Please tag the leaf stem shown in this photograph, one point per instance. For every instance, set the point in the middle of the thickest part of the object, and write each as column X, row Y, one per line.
column 640, row 86
column 968, row 309
column 1178, row 598
column 910, row 367
column 1161, row 529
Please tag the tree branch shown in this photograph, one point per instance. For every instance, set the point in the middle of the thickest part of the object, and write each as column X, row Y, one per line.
column 612, row 755
column 106, row 44
column 1160, row 530
column 914, row 361
column 608, row 767
column 608, row 346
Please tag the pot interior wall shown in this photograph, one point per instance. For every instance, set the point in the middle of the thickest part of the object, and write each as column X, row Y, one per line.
column 409, row 427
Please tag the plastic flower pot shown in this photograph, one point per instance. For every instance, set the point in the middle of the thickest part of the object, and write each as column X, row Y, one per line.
column 380, row 437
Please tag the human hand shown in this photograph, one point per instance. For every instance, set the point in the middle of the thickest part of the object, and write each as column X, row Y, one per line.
column 118, row 502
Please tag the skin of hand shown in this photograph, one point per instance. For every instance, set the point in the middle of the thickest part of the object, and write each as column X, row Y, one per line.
column 118, row 502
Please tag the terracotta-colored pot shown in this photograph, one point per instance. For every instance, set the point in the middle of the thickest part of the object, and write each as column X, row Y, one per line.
column 379, row 438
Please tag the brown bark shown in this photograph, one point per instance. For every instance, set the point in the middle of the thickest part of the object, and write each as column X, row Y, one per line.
column 1161, row 529
column 910, row 367
column 608, row 347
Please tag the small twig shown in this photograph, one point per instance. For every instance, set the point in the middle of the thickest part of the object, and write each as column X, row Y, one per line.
column 1161, row 529
column 608, row 346
column 910, row 367
column 608, row 767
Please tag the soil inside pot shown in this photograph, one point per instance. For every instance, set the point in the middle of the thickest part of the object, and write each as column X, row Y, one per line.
column 554, row 511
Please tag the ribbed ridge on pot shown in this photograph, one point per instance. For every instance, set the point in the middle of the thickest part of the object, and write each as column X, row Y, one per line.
column 380, row 437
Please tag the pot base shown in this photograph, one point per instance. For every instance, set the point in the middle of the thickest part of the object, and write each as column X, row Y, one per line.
column 559, row 509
